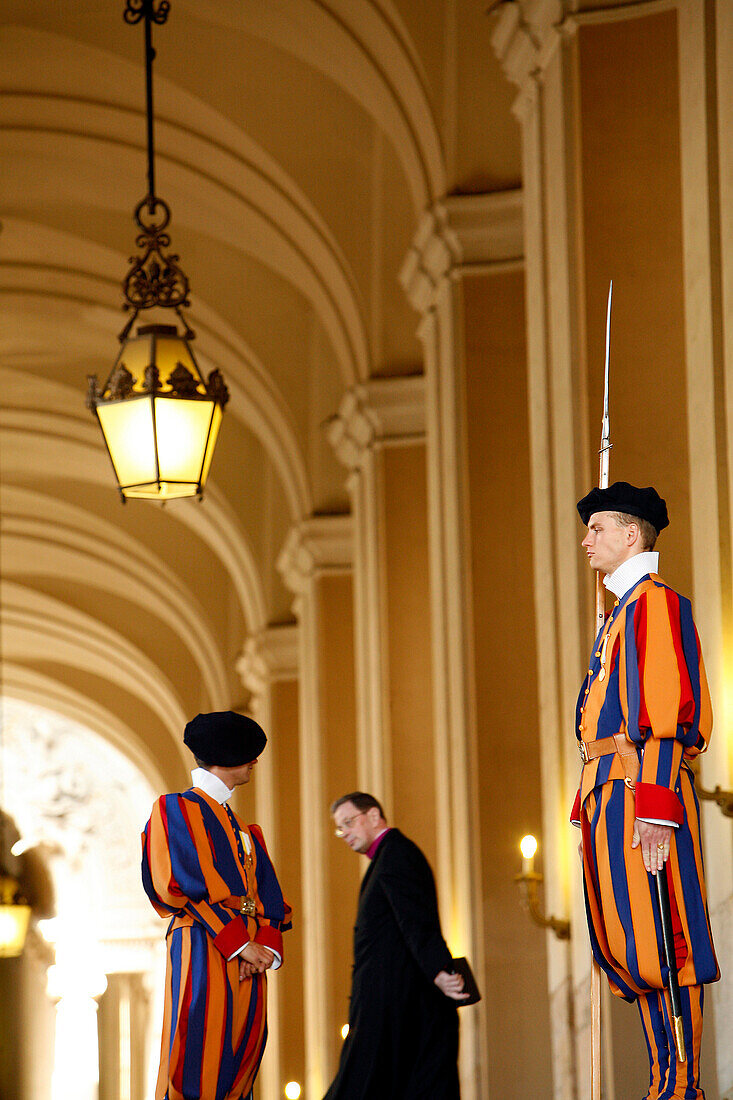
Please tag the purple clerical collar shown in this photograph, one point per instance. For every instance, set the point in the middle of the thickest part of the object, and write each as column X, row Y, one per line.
column 372, row 849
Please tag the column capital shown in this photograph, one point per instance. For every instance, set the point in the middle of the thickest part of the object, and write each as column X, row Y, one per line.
column 525, row 33
column 270, row 655
column 460, row 233
column 316, row 545
column 381, row 410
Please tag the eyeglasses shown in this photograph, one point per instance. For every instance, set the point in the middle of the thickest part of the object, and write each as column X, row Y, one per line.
column 340, row 829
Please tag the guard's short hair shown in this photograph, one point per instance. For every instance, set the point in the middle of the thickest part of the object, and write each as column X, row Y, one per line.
column 647, row 530
column 361, row 800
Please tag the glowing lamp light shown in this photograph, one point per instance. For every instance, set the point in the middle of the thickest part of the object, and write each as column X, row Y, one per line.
column 528, row 848
column 15, row 916
column 344, row 1031
column 292, row 1090
column 159, row 418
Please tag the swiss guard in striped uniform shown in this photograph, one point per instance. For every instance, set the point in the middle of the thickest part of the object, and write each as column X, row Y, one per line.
column 210, row 874
column 643, row 715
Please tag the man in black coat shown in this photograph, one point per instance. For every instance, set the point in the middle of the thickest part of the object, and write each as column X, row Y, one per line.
column 403, row 1024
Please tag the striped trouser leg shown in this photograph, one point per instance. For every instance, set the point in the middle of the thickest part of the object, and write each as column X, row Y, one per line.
column 657, row 1045
column 683, row 1078
column 670, row 1079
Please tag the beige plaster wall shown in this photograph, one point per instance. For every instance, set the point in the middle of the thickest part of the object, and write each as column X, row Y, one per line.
column 507, row 724
column 404, row 552
column 338, row 747
column 284, row 744
column 631, row 210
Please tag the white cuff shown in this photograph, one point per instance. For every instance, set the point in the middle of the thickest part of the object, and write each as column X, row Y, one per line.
column 278, row 957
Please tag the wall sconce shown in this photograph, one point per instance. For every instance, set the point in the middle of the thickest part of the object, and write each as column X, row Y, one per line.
column 724, row 799
column 529, row 881
column 292, row 1090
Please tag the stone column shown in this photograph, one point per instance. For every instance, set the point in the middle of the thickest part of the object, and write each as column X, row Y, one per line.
column 379, row 435
column 464, row 274
column 268, row 668
column 315, row 564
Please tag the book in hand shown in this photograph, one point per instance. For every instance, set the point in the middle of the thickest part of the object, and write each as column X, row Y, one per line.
column 462, row 967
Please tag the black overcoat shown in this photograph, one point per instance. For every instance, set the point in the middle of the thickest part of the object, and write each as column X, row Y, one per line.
column 403, row 1032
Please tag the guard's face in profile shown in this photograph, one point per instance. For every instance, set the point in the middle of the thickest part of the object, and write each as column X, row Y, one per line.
column 606, row 542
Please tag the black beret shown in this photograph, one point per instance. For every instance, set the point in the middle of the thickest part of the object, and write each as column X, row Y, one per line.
column 224, row 739
column 622, row 497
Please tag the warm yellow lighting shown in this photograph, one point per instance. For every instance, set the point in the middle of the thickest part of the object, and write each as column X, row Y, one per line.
column 22, row 845
column 344, row 1031
column 292, row 1090
column 15, row 915
column 49, row 929
column 528, row 846
column 160, row 420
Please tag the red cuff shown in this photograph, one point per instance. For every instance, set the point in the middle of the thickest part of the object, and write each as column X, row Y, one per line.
column 232, row 938
column 575, row 812
column 658, row 802
column 270, row 937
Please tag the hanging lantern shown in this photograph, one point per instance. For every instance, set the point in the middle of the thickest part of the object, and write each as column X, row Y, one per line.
column 15, row 914
column 159, row 418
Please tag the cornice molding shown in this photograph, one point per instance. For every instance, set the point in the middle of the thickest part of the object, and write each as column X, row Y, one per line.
column 269, row 656
column 461, row 233
column 527, row 32
column 525, row 38
column 384, row 409
column 313, row 547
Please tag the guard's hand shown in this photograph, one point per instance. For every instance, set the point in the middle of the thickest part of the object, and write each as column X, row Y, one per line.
column 246, row 969
column 451, row 985
column 655, row 841
column 261, row 958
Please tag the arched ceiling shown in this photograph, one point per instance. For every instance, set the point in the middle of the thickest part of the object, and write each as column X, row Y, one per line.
column 298, row 144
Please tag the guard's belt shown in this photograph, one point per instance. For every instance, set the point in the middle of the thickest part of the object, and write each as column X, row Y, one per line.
column 604, row 746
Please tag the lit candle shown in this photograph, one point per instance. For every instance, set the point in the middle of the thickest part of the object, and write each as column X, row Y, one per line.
column 528, row 848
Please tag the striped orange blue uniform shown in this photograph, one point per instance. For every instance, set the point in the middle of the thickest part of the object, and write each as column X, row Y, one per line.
column 196, row 870
column 646, row 679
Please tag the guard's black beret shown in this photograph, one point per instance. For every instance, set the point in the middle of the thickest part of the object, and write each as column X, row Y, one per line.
column 224, row 739
column 622, row 497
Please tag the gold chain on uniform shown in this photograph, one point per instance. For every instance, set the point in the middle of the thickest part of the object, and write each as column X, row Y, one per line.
column 248, row 903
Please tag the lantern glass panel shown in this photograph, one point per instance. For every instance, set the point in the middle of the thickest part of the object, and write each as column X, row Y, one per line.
column 213, row 435
column 13, row 928
column 169, row 352
column 136, row 356
column 182, row 431
column 128, row 430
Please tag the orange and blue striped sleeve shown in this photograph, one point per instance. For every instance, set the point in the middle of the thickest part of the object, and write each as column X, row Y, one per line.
column 665, row 696
column 276, row 916
column 180, row 875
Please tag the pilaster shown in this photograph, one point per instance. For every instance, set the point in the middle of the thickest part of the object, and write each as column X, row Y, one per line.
column 269, row 662
column 535, row 56
column 383, row 413
column 315, row 564
column 461, row 240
